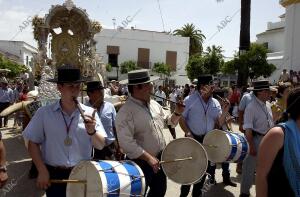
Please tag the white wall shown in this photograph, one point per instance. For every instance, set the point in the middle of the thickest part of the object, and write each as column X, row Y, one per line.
column 292, row 37
column 274, row 38
column 130, row 40
column 20, row 49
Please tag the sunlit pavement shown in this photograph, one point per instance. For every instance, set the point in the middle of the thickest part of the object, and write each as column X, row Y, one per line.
column 19, row 163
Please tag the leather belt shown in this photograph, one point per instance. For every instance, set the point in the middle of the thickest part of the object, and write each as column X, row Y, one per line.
column 59, row 167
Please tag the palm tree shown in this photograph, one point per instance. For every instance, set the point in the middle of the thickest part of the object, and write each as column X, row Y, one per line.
column 243, row 70
column 195, row 35
column 217, row 50
column 213, row 59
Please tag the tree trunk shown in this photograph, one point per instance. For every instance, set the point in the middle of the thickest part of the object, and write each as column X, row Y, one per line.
column 243, row 70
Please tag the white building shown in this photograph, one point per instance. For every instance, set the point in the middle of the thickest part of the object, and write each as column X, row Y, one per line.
column 18, row 51
column 145, row 48
column 273, row 38
column 282, row 38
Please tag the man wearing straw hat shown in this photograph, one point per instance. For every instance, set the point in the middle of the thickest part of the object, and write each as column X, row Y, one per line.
column 107, row 113
column 258, row 120
column 140, row 123
column 59, row 137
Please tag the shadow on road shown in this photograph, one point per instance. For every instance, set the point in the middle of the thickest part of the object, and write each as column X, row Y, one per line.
column 218, row 189
column 19, row 162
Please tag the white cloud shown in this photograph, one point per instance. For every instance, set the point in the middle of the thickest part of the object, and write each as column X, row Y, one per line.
column 15, row 24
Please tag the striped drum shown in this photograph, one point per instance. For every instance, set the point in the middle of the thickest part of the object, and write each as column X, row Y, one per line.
column 107, row 178
column 223, row 146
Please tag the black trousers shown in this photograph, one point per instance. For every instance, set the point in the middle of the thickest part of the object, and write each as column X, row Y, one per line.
column 57, row 190
column 157, row 182
column 160, row 102
column 106, row 153
column 197, row 188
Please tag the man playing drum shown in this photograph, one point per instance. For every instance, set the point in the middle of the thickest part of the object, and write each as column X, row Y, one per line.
column 200, row 116
column 140, row 123
column 258, row 120
column 64, row 136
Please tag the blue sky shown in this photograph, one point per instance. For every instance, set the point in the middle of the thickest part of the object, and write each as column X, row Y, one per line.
column 205, row 14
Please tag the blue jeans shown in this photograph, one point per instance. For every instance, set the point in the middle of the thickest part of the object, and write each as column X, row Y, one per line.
column 249, row 166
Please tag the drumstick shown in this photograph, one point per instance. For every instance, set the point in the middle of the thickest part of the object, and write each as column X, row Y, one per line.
column 79, row 108
column 168, row 100
column 176, row 160
column 68, row 181
column 210, row 145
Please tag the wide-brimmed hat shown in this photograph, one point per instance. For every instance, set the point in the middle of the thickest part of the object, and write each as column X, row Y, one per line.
column 94, row 83
column 260, row 85
column 3, row 80
column 138, row 77
column 204, row 80
column 67, row 74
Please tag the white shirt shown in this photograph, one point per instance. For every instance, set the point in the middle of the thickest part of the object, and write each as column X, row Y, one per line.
column 173, row 97
column 160, row 94
column 258, row 116
column 140, row 128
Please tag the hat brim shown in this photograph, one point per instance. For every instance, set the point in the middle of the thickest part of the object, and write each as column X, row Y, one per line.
column 152, row 78
column 92, row 89
column 256, row 89
column 56, row 81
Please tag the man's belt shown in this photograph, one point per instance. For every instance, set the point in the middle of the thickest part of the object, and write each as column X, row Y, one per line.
column 59, row 168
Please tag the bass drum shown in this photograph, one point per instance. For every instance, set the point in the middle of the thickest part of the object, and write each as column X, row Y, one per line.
column 185, row 172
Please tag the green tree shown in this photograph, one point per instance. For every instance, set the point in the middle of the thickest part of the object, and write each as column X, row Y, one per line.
column 255, row 58
column 15, row 69
column 162, row 68
column 128, row 66
column 195, row 35
column 195, row 67
column 213, row 59
column 108, row 67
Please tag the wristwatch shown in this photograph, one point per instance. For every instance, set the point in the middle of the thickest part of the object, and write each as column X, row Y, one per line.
column 3, row 168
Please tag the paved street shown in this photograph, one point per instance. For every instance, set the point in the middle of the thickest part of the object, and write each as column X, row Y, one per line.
column 19, row 163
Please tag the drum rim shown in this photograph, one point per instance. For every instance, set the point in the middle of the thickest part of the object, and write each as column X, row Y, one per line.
column 206, row 163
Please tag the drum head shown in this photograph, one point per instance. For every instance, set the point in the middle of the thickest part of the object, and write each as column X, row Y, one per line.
column 85, row 170
column 189, row 171
column 217, row 146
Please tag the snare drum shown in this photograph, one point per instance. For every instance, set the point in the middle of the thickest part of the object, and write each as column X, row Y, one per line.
column 107, row 178
column 222, row 146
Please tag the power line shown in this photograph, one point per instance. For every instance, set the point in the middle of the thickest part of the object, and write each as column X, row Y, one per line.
column 162, row 20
